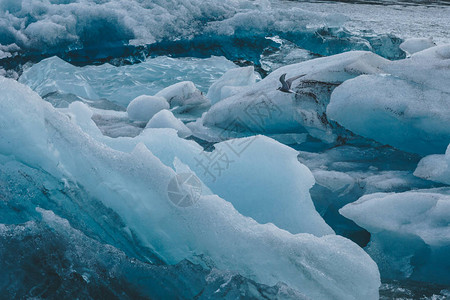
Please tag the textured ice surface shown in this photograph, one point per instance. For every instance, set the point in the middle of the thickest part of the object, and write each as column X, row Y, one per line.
column 435, row 167
column 166, row 119
column 134, row 186
column 410, row 232
column 87, row 23
column 122, row 84
column 287, row 53
column 114, row 190
column 49, row 258
column 54, row 26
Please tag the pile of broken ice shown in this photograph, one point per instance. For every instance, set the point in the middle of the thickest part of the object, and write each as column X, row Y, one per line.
column 254, row 212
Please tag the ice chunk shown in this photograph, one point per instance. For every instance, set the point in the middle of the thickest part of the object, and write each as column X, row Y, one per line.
column 403, row 103
column 144, row 107
column 244, row 165
column 263, row 109
column 81, row 115
column 122, row 84
column 115, row 123
column 184, row 97
column 166, row 119
column 401, row 113
column 241, row 163
column 435, row 167
column 410, row 232
column 230, row 83
column 134, row 185
column 413, row 45
column 408, row 108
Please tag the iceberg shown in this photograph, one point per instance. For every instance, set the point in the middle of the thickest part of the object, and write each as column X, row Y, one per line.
column 244, row 164
column 401, row 114
column 345, row 173
column 410, row 233
column 134, row 185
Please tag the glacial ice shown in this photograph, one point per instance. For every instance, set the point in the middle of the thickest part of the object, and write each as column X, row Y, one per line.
column 166, row 119
column 144, row 107
column 73, row 23
column 288, row 53
column 134, row 186
column 408, row 107
column 241, row 163
column 79, row 266
column 435, row 167
column 85, row 207
column 103, row 29
column 122, row 84
column 410, row 232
